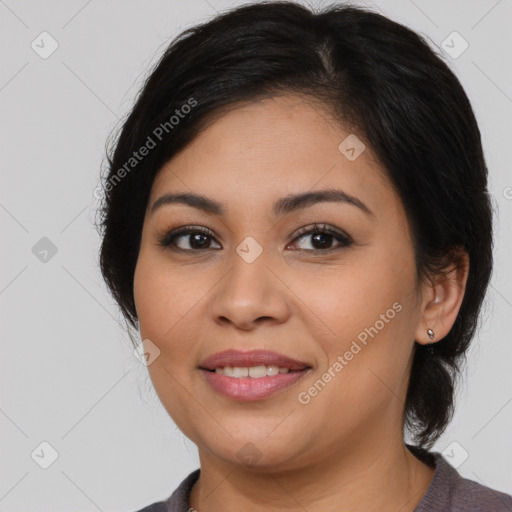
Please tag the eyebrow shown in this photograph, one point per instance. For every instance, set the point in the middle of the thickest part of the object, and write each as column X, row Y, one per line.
column 283, row 206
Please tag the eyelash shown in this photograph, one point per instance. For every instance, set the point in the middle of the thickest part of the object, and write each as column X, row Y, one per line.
column 168, row 239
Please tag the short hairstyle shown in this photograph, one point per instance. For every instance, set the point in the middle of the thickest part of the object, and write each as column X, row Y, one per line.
column 377, row 77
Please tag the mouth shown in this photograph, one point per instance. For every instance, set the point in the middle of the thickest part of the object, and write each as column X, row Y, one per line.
column 251, row 375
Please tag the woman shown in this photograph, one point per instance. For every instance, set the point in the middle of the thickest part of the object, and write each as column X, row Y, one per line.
column 296, row 218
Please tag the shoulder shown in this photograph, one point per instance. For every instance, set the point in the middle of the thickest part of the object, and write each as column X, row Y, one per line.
column 159, row 506
column 472, row 496
column 450, row 492
column 178, row 501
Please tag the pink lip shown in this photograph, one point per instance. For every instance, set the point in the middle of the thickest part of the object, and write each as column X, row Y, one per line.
column 249, row 389
column 251, row 358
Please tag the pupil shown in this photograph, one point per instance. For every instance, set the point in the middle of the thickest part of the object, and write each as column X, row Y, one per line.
column 316, row 238
column 195, row 239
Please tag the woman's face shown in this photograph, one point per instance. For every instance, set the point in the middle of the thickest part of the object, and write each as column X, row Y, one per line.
column 348, row 311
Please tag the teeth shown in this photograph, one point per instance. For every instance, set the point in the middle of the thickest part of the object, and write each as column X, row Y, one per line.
column 254, row 372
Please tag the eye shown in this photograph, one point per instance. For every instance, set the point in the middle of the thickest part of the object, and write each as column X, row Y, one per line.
column 198, row 238
column 323, row 237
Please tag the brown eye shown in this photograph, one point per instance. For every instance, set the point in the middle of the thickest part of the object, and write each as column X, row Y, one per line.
column 195, row 238
column 322, row 238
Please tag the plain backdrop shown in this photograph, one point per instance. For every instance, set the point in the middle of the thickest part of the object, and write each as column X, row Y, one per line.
column 73, row 395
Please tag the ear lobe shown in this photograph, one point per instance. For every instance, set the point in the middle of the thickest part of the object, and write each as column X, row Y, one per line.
column 443, row 297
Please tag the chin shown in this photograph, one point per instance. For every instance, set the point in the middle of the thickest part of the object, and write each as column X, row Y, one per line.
column 259, row 455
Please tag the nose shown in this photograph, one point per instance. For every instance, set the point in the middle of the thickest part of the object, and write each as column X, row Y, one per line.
column 250, row 293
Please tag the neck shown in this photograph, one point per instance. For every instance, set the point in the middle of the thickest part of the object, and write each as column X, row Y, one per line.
column 384, row 476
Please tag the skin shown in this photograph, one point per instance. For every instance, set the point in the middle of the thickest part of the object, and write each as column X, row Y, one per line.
column 343, row 450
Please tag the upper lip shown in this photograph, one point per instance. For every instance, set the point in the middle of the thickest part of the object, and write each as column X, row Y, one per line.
column 251, row 358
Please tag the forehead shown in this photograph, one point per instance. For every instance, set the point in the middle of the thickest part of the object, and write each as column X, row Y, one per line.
column 261, row 151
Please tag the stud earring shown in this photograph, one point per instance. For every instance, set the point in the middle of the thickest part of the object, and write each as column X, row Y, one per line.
column 430, row 333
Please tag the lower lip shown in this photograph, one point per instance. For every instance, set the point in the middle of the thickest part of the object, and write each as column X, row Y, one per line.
column 247, row 388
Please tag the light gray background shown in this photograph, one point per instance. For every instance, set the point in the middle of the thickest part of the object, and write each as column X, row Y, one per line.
column 68, row 373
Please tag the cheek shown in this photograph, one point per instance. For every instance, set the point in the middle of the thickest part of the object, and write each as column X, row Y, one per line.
column 163, row 319
column 168, row 303
column 149, row 300
column 345, row 301
column 361, row 315
column 161, row 297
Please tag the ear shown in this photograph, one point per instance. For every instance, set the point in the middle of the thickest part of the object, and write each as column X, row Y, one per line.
column 442, row 296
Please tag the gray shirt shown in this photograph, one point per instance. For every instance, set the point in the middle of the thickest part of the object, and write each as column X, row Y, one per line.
column 447, row 492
